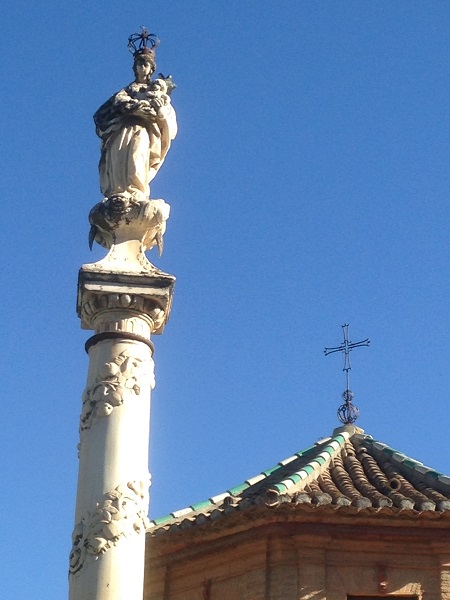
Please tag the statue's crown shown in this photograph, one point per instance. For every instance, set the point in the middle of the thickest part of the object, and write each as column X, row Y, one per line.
column 143, row 43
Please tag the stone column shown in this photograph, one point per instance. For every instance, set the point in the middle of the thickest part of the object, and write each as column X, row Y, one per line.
column 123, row 299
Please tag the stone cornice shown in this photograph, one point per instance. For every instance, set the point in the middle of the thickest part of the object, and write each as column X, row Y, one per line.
column 107, row 298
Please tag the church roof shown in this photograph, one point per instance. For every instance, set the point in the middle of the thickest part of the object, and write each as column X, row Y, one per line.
column 349, row 472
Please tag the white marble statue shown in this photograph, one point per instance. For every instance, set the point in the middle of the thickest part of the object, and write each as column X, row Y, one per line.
column 136, row 127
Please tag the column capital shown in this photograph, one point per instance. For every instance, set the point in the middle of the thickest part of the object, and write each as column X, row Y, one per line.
column 134, row 294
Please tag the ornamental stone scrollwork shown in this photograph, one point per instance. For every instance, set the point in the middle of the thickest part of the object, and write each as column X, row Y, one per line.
column 96, row 303
column 115, row 381
column 120, row 513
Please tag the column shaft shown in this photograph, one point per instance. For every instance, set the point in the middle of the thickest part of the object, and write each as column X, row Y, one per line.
column 107, row 559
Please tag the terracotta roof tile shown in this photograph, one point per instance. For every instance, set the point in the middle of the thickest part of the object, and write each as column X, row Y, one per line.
column 348, row 472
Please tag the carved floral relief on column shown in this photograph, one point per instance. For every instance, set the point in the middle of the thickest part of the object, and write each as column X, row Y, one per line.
column 116, row 381
column 120, row 513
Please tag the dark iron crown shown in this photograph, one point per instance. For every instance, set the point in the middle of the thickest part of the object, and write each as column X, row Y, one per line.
column 143, row 43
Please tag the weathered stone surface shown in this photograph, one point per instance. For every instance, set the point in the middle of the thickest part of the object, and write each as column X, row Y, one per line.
column 138, row 302
column 124, row 299
column 127, row 228
column 136, row 126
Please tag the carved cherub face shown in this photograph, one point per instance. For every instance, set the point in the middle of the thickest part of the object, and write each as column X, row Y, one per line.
column 159, row 85
column 143, row 69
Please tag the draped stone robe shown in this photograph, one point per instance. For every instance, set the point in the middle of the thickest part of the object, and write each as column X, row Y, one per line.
column 135, row 139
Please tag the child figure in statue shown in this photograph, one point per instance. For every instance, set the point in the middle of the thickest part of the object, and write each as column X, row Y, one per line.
column 136, row 127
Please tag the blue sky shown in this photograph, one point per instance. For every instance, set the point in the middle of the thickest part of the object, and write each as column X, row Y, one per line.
column 309, row 187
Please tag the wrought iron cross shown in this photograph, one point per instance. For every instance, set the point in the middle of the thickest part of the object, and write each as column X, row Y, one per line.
column 347, row 413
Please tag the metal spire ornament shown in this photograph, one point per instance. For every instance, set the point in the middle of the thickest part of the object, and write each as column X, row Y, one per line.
column 347, row 413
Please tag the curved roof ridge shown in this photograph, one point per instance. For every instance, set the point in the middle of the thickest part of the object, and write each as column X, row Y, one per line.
column 411, row 464
column 328, row 447
column 349, row 470
column 315, row 466
column 234, row 491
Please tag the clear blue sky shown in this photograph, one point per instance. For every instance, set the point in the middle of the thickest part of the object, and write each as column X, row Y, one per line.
column 309, row 186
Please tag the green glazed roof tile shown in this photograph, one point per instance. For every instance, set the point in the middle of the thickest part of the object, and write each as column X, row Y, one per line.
column 268, row 472
column 388, row 451
column 162, row 520
column 282, row 463
column 404, row 459
column 411, row 463
column 378, row 445
column 326, row 453
column 422, row 469
column 303, row 452
column 399, row 456
column 295, row 478
column 295, row 472
column 238, row 489
column 313, row 465
column 280, row 487
column 201, row 505
column 288, row 483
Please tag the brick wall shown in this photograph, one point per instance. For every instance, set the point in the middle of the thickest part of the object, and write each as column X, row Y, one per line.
column 299, row 562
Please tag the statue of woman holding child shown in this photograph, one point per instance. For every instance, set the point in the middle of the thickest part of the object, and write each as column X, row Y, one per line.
column 136, row 126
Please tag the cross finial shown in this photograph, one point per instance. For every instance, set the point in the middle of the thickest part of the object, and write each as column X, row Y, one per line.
column 348, row 412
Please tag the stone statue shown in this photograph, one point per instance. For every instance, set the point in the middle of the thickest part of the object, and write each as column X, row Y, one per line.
column 136, row 127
